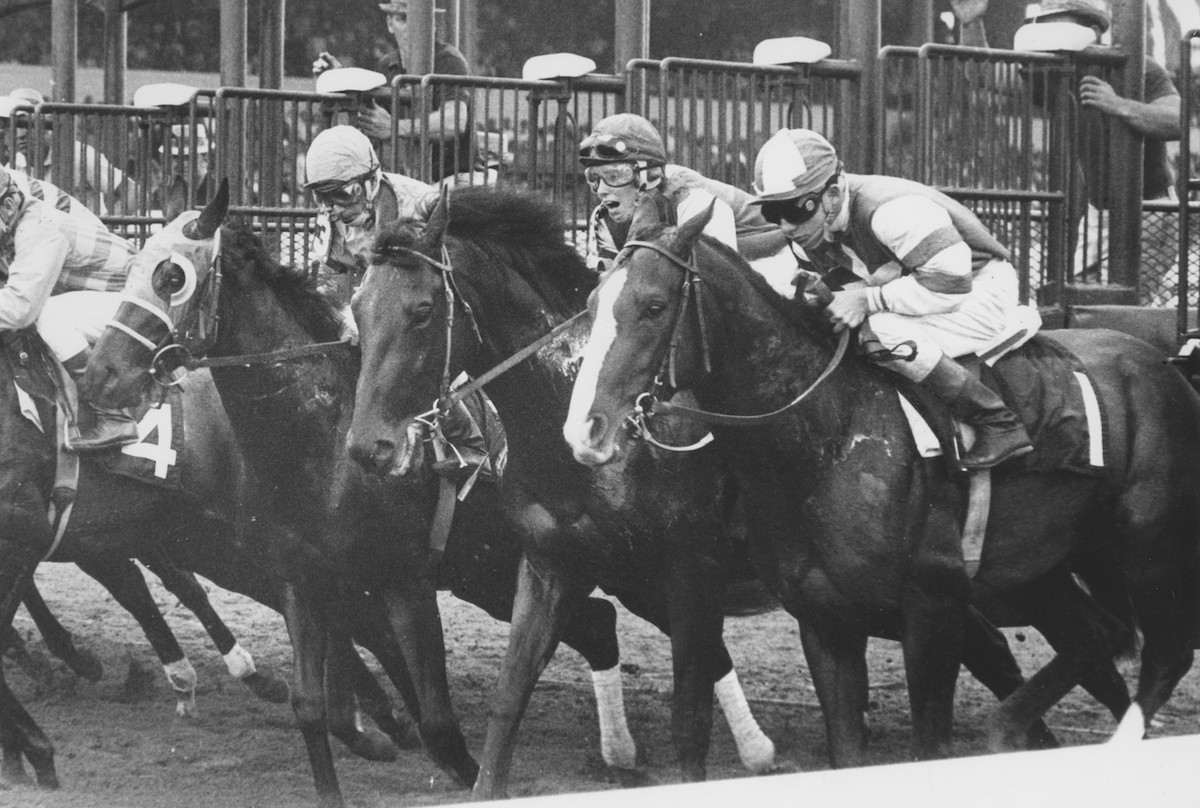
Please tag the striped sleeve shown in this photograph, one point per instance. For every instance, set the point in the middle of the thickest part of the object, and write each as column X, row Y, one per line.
column 98, row 259
column 936, row 260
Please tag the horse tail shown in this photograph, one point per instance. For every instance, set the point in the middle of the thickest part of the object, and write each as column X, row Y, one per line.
column 1099, row 574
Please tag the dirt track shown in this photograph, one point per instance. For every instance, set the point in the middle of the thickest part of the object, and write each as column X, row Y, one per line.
column 120, row 744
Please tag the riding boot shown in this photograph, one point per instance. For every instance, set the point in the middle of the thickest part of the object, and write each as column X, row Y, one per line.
column 999, row 434
column 97, row 428
column 468, row 448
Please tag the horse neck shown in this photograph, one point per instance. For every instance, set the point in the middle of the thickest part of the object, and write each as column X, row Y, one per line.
column 291, row 417
column 750, row 343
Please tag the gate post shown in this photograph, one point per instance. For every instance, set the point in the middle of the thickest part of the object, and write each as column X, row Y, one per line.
column 631, row 40
column 64, row 49
column 859, row 40
column 233, row 43
column 1126, row 150
column 116, row 32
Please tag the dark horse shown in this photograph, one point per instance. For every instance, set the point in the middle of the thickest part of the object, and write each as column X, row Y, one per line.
column 860, row 536
column 113, row 519
column 482, row 282
column 319, row 522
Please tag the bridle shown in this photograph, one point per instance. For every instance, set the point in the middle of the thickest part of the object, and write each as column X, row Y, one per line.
column 649, row 404
column 176, row 350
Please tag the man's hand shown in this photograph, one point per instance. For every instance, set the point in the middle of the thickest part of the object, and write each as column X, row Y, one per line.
column 967, row 11
column 848, row 309
column 324, row 61
column 375, row 122
column 349, row 326
column 1098, row 94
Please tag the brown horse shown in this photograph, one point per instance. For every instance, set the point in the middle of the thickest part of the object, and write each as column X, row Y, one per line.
column 481, row 285
column 319, row 521
column 858, row 535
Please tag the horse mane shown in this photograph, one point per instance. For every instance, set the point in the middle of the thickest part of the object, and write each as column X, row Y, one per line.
column 809, row 319
column 296, row 290
column 526, row 234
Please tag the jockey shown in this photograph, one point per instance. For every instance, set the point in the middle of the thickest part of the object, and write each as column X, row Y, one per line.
column 355, row 195
column 624, row 158
column 64, row 272
column 916, row 269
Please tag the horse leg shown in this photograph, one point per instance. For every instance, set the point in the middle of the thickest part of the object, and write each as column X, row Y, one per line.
column 20, row 734
column 184, row 586
column 58, row 639
column 1166, row 657
column 371, row 629
column 309, row 636
column 837, row 661
column 1084, row 636
column 413, row 613
column 125, row 583
column 989, row 659
column 341, row 675
column 543, row 606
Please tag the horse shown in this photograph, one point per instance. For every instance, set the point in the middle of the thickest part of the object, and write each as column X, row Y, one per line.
column 319, row 521
column 858, row 535
column 490, row 283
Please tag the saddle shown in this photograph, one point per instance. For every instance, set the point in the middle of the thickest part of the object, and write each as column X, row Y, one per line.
column 1047, row 387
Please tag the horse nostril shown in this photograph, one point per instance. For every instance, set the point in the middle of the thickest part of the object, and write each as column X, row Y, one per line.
column 383, row 455
column 597, row 427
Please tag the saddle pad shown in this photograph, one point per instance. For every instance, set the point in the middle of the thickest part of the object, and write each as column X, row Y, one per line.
column 154, row 458
column 1047, row 387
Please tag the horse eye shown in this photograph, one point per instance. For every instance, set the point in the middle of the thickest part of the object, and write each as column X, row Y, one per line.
column 168, row 278
column 423, row 313
column 655, row 309
column 174, row 279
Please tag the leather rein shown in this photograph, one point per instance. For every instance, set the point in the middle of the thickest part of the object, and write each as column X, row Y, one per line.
column 648, row 404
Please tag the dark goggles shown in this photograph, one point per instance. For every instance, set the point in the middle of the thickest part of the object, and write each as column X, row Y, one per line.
column 603, row 147
column 796, row 211
column 341, row 194
column 792, row 211
column 614, row 175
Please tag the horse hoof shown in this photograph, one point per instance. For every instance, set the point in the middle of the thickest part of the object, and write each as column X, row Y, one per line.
column 758, row 755
column 619, row 752
column 88, row 666
column 185, row 705
column 267, row 687
column 373, row 745
column 1132, row 727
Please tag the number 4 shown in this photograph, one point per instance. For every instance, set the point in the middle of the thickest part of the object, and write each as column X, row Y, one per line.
column 156, row 419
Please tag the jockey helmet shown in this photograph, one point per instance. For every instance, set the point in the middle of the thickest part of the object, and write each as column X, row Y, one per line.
column 339, row 155
column 1091, row 12
column 623, row 138
column 793, row 164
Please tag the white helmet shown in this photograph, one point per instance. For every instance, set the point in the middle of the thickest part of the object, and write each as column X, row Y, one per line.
column 339, row 154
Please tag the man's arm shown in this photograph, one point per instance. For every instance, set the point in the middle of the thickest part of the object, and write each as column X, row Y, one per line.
column 1157, row 119
column 445, row 123
column 40, row 252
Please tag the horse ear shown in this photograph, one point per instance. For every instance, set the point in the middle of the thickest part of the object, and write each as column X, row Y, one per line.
column 646, row 215
column 689, row 231
column 175, row 200
column 212, row 216
column 439, row 219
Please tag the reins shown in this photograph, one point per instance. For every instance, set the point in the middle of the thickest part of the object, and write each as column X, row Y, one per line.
column 648, row 404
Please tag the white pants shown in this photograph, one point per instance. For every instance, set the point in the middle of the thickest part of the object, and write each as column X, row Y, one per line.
column 73, row 321
column 990, row 310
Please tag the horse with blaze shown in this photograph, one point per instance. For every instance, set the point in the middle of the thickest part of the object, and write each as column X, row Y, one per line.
column 859, row 535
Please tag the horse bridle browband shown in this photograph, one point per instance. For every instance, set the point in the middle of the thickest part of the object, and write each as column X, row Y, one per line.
column 648, row 403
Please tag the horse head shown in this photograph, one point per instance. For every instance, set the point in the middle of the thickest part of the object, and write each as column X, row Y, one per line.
column 405, row 310
column 639, row 332
column 169, row 305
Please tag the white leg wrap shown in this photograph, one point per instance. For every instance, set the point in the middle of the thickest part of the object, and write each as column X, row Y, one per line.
column 1132, row 727
column 756, row 750
column 182, row 677
column 239, row 662
column 616, row 744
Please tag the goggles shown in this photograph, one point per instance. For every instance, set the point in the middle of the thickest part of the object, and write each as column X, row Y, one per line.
column 796, row 211
column 341, row 193
column 614, row 175
column 603, row 147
